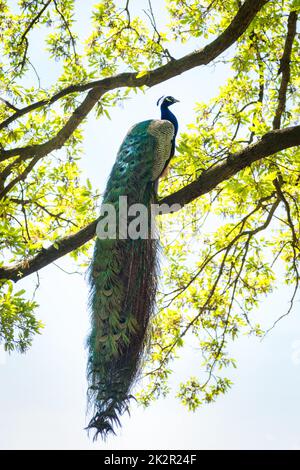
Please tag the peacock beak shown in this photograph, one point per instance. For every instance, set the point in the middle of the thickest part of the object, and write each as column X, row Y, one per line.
column 176, row 101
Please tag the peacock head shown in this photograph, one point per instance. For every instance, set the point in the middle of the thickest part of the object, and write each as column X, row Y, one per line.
column 166, row 101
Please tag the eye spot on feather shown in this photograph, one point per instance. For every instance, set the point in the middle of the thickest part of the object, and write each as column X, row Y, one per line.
column 103, row 338
column 96, row 272
column 107, row 292
column 104, row 315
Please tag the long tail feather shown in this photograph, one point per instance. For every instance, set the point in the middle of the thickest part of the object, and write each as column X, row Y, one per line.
column 123, row 281
column 117, row 355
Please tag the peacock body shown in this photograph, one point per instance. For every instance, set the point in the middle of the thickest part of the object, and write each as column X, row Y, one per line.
column 123, row 277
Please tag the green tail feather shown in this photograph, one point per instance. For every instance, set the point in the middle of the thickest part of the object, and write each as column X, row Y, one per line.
column 123, row 281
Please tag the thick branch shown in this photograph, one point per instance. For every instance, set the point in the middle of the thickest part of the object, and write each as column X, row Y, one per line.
column 285, row 68
column 173, row 68
column 41, row 150
column 62, row 136
column 271, row 143
column 47, row 256
column 38, row 104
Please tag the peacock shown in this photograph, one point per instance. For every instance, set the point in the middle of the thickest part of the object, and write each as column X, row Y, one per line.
column 124, row 270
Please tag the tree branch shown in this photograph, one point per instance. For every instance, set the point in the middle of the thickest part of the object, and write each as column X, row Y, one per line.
column 47, row 256
column 21, row 177
column 9, row 105
column 285, row 67
column 24, row 35
column 62, row 136
column 204, row 56
column 34, row 20
column 271, row 143
column 66, row 24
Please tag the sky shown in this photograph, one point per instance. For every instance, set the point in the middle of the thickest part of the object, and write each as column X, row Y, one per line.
column 43, row 392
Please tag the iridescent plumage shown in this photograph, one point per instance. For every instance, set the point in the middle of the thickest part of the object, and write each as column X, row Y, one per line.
column 123, row 279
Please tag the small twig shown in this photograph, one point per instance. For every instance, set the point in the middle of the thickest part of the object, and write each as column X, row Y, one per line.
column 30, row 25
column 25, row 216
column 20, row 177
column 68, row 28
column 37, row 285
column 67, row 272
column 33, row 21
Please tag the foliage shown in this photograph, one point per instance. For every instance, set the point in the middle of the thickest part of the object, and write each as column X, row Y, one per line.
column 214, row 278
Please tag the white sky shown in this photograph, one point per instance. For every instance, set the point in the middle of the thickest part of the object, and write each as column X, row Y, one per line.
column 43, row 392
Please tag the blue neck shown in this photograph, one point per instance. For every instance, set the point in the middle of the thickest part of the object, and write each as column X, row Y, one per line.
column 166, row 114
